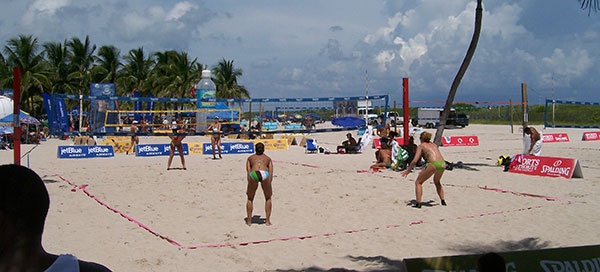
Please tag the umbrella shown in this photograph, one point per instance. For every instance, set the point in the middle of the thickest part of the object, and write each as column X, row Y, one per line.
column 316, row 116
column 24, row 118
column 296, row 116
column 348, row 121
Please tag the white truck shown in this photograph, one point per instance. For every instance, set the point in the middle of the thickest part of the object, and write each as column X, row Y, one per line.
column 430, row 118
column 366, row 111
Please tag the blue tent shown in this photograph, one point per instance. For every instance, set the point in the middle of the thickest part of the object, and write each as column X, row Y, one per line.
column 348, row 121
column 24, row 118
column 224, row 113
column 316, row 116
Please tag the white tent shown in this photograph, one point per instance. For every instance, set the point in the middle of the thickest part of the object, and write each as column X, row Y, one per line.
column 6, row 106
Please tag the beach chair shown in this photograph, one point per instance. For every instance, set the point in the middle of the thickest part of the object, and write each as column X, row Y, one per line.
column 311, row 146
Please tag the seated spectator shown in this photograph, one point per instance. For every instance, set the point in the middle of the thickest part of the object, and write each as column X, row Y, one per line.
column 350, row 144
column 24, row 203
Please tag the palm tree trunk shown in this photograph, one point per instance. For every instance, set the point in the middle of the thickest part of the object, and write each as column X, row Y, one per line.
column 460, row 74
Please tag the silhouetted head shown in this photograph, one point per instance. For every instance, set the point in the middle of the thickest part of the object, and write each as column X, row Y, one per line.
column 425, row 137
column 527, row 130
column 491, row 262
column 259, row 148
column 24, row 200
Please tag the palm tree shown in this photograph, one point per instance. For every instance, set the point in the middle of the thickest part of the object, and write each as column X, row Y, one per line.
column 24, row 52
column 4, row 73
column 225, row 77
column 81, row 57
column 461, row 72
column 136, row 72
column 590, row 5
column 57, row 56
column 182, row 74
column 108, row 65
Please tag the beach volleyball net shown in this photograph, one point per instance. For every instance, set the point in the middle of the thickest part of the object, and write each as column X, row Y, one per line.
column 427, row 113
column 114, row 115
column 571, row 114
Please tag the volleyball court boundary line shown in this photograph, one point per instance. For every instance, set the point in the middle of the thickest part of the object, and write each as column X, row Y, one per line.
column 83, row 188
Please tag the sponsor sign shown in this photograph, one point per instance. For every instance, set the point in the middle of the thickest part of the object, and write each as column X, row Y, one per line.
column 195, row 148
column 118, row 146
column 149, row 150
column 85, row 151
column 591, row 136
column 293, row 126
column 273, row 144
column 377, row 143
column 584, row 258
column 555, row 138
column 460, row 141
column 270, row 125
column 546, row 166
column 230, row 148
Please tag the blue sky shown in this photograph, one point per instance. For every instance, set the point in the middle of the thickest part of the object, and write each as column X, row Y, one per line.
column 322, row 48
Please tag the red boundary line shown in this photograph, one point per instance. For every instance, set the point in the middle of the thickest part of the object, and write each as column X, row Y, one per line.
column 173, row 242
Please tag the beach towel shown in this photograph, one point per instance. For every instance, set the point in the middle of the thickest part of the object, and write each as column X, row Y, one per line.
column 366, row 138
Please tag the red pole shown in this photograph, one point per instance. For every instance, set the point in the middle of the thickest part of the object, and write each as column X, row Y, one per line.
column 16, row 113
column 405, row 109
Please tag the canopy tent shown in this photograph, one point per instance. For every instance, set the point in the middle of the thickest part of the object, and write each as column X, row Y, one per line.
column 316, row 116
column 348, row 121
column 296, row 116
column 24, row 118
column 224, row 113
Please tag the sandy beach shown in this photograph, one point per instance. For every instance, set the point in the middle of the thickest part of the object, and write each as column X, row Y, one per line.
column 327, row 212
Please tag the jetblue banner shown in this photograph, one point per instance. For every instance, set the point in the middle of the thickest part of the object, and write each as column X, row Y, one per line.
column 61, row 114
column 230, row 148
column 85, row 151
column 52, row 122
column 150, row 150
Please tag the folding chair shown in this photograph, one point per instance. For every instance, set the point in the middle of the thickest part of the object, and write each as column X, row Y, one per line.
column 311, row 146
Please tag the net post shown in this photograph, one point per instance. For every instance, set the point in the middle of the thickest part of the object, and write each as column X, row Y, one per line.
column 524, row 105
column 546, row 114
column 16, row 113
column 510, row 116
column 405, row 109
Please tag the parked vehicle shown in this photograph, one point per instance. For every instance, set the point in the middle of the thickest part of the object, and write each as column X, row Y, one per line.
column 430, row 118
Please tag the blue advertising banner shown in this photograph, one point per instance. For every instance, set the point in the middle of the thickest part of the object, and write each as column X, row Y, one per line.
column 137, row 106
column 230, row 148
column 270, row 125
column 293, row 126
column 61, row 114
column 85, row 151
column 100, row 106
column 52, row 122
column 150, row 150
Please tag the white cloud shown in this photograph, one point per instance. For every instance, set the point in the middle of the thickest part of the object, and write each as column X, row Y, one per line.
column 180, row 9
column 573, row 65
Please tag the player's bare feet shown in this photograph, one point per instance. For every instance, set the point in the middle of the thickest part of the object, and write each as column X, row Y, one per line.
column 248, row 222
column 268, row 223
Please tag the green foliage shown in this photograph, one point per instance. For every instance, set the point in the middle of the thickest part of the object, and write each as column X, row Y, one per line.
column 70, row 67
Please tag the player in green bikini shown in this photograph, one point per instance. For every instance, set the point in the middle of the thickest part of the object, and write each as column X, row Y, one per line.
column 435, row 167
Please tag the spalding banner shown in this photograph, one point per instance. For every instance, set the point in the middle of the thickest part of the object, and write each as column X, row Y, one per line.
column 546, row 166
column 149, row 150
column 85, row 151
column 591, row 136
column 230, row 148
column 460, row 141
column 580, row 259
column 555, row 137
